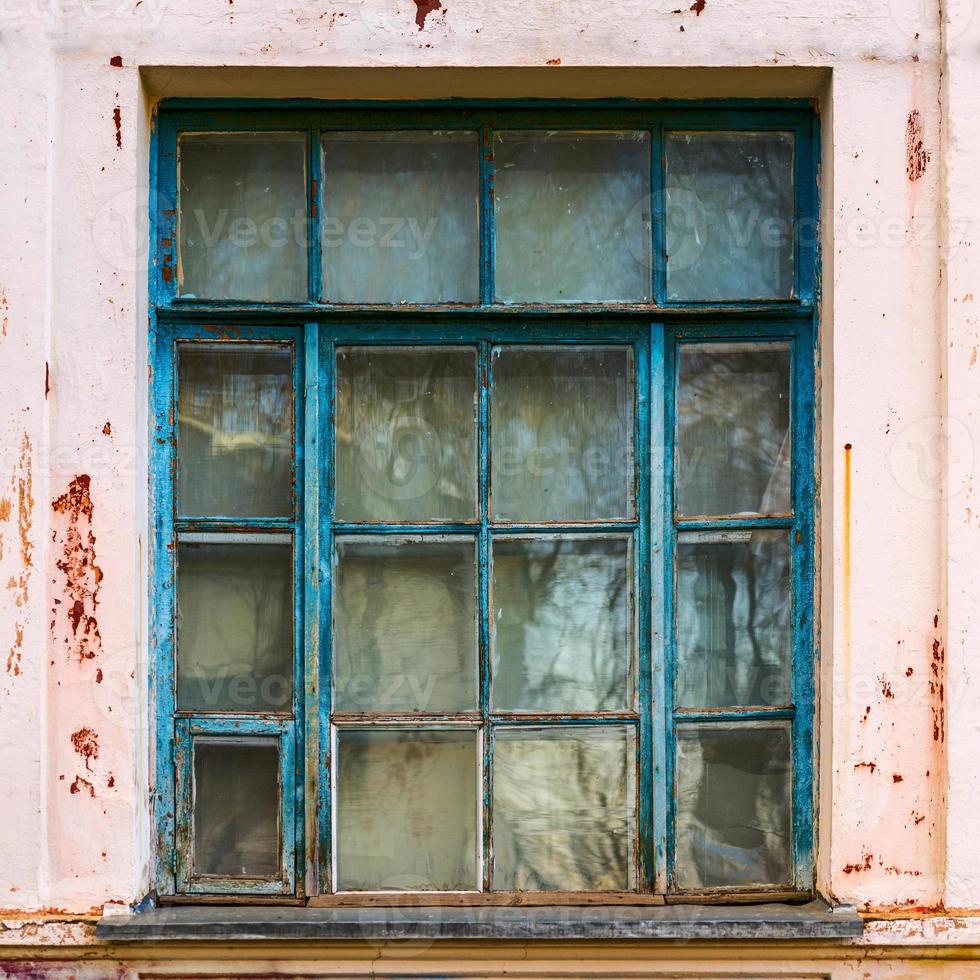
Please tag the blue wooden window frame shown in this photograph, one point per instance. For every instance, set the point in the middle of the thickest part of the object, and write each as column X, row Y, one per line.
column 313, row 330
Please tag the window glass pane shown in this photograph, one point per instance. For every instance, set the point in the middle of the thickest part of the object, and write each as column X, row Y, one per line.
column 234, row 431
column 563, row 809
column 407, row 804
column 572, row 217
column 729, row 219
column 236, row 807
column 734, row 629
column 406, row 435
column 234, row 627
column 562, row 434
column 734, row 806
column 733, row 429
column 401, row 217
column 561, row 624
column 405, row 628
column 243, row 216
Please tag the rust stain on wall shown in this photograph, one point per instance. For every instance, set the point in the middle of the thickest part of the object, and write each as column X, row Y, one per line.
column 423, row 8
column 21, row 492
column 937, row 685
column 86, row 743
column 82, row 576
column 698, row 6
column 4, row 309
column 117, row 122
column 917, row 157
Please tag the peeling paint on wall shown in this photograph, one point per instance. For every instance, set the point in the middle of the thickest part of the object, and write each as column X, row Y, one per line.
column 75, row 612
column 917, row 157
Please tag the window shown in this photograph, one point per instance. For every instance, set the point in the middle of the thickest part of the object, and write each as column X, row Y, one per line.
column 483, row 502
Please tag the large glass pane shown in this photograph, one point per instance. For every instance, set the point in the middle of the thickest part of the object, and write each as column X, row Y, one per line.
column 730, row 216
column 234, row 626
column 562, row 434
column 561, row 624
column 405, row 627
column 734, row 625
column 734, row 806
column 407, row 810
column 236, row 807
column 733, row 429
column 234, row 431
column 563, row 809
column 406, row 434
column 401, row 217
column 571, row 217
column 243, row 216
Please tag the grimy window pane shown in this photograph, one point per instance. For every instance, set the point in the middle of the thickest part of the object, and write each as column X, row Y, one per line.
column 562, row 434
column 730, row 216
column 561, row 624
column 733, row 429
column 236, row 808
column 234, row 431
column 734, row 806
column 563, row 809
column 734, row 625
column 407, row 804
column 243, row 216
column 405, row 633
column 234, row 627
column 406, row 434
column 401, row 217
column 572, row 217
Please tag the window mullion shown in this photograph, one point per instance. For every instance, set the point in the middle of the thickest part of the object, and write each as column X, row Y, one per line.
column 484, row 368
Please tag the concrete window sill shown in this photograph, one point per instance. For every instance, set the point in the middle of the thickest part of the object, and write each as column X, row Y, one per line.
column 814, row 920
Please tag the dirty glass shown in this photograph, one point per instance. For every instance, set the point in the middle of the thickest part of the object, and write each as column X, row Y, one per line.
column 729, row 218
column 733, row 429
column 406, row 434
column 235, row 625
column 407, row 810
column 562, row 434
column 561, row 624
column 572, row 217
column 400, row 220
column 563, row 808
column 405, row 628
column 234, row 431
column 734, row 626
column 236, row 807
column 734, row 819
column 242, row 216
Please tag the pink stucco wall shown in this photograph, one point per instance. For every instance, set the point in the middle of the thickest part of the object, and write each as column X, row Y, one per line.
column 898, row 84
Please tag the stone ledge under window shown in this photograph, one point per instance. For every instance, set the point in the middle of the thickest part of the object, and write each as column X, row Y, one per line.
column 814, row 920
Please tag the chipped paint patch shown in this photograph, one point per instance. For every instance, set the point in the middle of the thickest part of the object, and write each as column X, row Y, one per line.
column 917, row 157
column 422, row 10
column 86, row 743
column 117, row 122
column 82, row 576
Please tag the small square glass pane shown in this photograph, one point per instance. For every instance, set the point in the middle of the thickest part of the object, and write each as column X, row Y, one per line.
column 407, row 808
column 236, row 808
column 243, row 216
column 562, row 434
column 401, row 217
column 733, row 429
column 734, row 619
column 564, row 809
column 572, row 217
column 235, row 626
column 234, row 431
column 406, row 434
column 405, row 635
column 734, row 806
column 561, row 624
column 729, row 216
